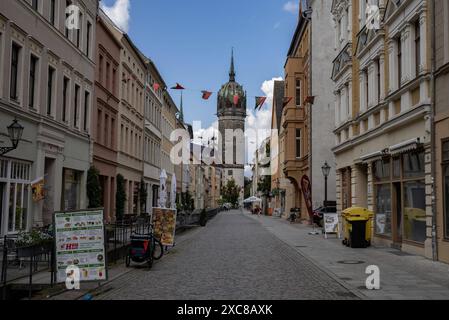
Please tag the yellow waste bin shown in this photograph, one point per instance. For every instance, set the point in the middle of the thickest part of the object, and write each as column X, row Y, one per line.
column 357, row 226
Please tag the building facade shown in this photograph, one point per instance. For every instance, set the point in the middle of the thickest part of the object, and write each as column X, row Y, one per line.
column 130, row 124
column 294, row 125
column 441, row 142
column 382, row 102
column 153, row 134
column 105, row 112
column 47, row 84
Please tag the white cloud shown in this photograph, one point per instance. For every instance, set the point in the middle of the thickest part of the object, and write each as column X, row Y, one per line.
column 119, row 13
column 292, row 7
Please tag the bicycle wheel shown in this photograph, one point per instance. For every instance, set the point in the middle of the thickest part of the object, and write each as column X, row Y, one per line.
column 158, row 250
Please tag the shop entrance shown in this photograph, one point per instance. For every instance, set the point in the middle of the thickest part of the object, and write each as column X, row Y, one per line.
column 397, row 215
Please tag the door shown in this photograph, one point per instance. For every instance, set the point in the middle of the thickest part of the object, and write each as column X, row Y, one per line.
column 397, row 214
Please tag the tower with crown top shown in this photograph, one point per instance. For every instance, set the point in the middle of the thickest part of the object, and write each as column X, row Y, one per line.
column 231, row 112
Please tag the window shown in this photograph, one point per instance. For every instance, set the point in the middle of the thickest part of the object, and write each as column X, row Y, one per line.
column 106, row 130
column 65, row 87
column 108, row 70
column 298, row 93
column 298, row 143
column 379, row 79
column 417, row 47
column 15, row 55
column 366, row 78
column 75, row 106
column 414, row 193
column 53, row 12
column 71, row 193
column 413, row 164
column 399, row 61
column 383, row 209
column 67, row 15
column 78, row 31
column 99, row 118
column 88, row 36
column 100, row 69
column 35, row 4
column 32, row 81
column 51, row 75
column 86, row 109
column 114, row 75
column 381, row 170
column 446, row 186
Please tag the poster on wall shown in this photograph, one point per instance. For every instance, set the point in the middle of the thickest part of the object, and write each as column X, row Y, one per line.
column 80, row 242
column 164, row 223
column 331, row 224
column 37, row 189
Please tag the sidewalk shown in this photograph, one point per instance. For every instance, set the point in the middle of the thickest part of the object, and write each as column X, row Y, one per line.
column 402, row 276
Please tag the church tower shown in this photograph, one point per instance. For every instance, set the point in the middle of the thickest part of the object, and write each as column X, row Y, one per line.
column 231, row 112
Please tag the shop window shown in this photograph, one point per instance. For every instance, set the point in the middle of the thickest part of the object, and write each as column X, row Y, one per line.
column 415, row 211
column 397, row 168
column 381, row 170
column 383, row 209
column 413, row 164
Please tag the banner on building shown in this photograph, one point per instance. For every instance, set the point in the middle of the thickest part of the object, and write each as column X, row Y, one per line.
column 306, row 188
column 80, row 245
column 37, row 189
column 164, row 225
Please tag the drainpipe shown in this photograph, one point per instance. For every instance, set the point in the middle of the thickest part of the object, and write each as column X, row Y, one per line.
column 433, row 134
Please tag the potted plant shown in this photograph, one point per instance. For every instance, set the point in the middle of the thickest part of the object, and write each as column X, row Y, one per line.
column 33, row 243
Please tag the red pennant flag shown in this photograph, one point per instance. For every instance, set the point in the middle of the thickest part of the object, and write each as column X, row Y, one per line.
column 260, row 101
column 178, row 87
column 156, row 86
column 287, row 100
column 236, row 99
column 206, row 94
column 145, row 245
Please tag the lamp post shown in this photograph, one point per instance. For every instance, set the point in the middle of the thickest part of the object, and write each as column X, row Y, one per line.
column 326, row 170
column 15, row 131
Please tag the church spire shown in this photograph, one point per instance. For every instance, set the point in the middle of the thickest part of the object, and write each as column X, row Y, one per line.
column 232, row 70
column 181, row 113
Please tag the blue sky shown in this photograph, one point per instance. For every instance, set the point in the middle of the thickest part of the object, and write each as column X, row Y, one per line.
column 191, row 41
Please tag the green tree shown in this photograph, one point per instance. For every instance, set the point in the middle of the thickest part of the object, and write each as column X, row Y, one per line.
column 93, row 188
column 231, row 193
column 120, row 197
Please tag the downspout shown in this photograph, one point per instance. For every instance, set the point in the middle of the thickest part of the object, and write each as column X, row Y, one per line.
column 433, row 133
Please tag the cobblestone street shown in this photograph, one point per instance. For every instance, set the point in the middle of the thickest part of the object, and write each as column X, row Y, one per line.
column 234, row 257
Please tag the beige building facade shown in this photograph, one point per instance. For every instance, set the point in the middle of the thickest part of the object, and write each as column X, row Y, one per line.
column 382, row 107
column 47, row 84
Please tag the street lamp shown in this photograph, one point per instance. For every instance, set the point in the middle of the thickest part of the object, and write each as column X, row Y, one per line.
column 326, row 170
column 15, row 131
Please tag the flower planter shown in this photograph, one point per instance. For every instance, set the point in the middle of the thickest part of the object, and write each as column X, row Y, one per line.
column 34, row 250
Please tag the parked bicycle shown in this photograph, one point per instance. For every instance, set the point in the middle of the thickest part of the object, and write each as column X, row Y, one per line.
column 144, row 248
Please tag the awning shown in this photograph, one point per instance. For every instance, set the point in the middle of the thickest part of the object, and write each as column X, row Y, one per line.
column 405, row 146
column 372, row 156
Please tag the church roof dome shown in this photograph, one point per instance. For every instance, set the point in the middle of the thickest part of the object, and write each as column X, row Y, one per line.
column 230, row 90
